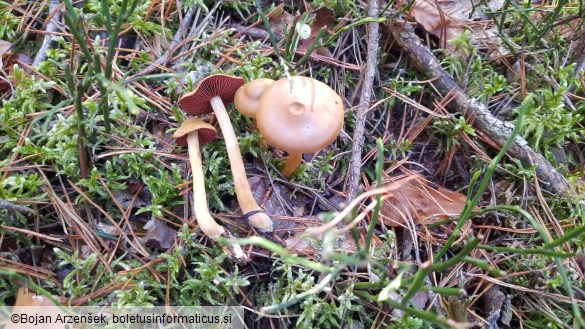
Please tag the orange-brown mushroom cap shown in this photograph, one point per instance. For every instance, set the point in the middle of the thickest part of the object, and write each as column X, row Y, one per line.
column 197, row 101
column 206, row 131
column 301, row 119
column 247, row 97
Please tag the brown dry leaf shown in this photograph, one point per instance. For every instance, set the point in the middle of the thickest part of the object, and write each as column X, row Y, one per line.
column 456, row 309
column 31, row 303
column 279, row 21
column 421, row 200
column 159, row 235
column 26, row 298
column 163, row 138
column 7, row 61
column 445, row 20
column 324, row 17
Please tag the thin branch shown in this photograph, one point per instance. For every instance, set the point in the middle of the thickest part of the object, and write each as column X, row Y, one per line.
column 180, row 35
column 355, row 163
column 484, row 121
column 54, row 17
column 14, row 207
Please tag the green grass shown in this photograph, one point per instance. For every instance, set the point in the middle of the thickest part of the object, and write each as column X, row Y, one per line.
column 87, row 132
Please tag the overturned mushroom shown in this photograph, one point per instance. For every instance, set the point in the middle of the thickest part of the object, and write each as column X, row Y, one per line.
column 300, row 115
column 210, row 95
column 194, row 132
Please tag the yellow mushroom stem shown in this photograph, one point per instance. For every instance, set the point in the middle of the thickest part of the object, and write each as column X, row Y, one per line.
column 259, row 220
column 292, row 163
column 263, row 143
column 207, row 224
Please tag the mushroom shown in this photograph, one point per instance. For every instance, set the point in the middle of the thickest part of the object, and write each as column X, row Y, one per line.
column 247, row 99
column 299, row 115
column 248, row 96
column 212, row 94
column 194, row 132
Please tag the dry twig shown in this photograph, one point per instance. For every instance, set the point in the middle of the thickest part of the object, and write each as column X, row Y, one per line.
column 355, row 163
column 164, row 59
column 499, row 131
column 54, row 17
column 14, row 207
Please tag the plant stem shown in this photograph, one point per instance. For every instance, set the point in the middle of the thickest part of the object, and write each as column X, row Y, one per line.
column 299, row 297
column 470, row 204
column 81, row 137
column 428, row 316
column 284, row 253
column 574, row 233
column 525, row 251
column 375, row 215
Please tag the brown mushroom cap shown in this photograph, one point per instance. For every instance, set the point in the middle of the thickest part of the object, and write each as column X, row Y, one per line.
column 247, row 97
column 206, row 131
column 197, row 101
column 302, row 121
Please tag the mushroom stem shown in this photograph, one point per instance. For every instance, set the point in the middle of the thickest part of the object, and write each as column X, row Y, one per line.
column 263, row 143
column 244, row 195
column 292, row 163
column 204, row 219
column 207, row 224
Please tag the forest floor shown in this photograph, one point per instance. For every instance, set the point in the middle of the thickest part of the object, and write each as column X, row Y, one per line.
column 452, row 197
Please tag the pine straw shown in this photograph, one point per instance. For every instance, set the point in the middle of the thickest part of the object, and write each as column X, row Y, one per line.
column 78, row 226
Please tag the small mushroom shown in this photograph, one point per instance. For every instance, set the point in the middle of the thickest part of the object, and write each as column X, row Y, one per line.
column 300, row 115
column 212, row 94
column 193, row 133
column 247, row 97
column 247, row 100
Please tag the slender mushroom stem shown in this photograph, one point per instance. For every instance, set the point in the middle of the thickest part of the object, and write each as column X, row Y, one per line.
column 292, row 163
column 207, row 224
column 244, row 195
column 263, row 143
column 204, row 219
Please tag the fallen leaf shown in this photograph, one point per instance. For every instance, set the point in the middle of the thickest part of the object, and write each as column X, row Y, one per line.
column 7, row 61
column 26, row 298
column 443, row 19
column 493, row 303
column 158, row 235
column 324, row 18
column 448, row 19
column 281, row 21
column 422, row 201
column 31, row 303
column 456, row 309
column 420, row 299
